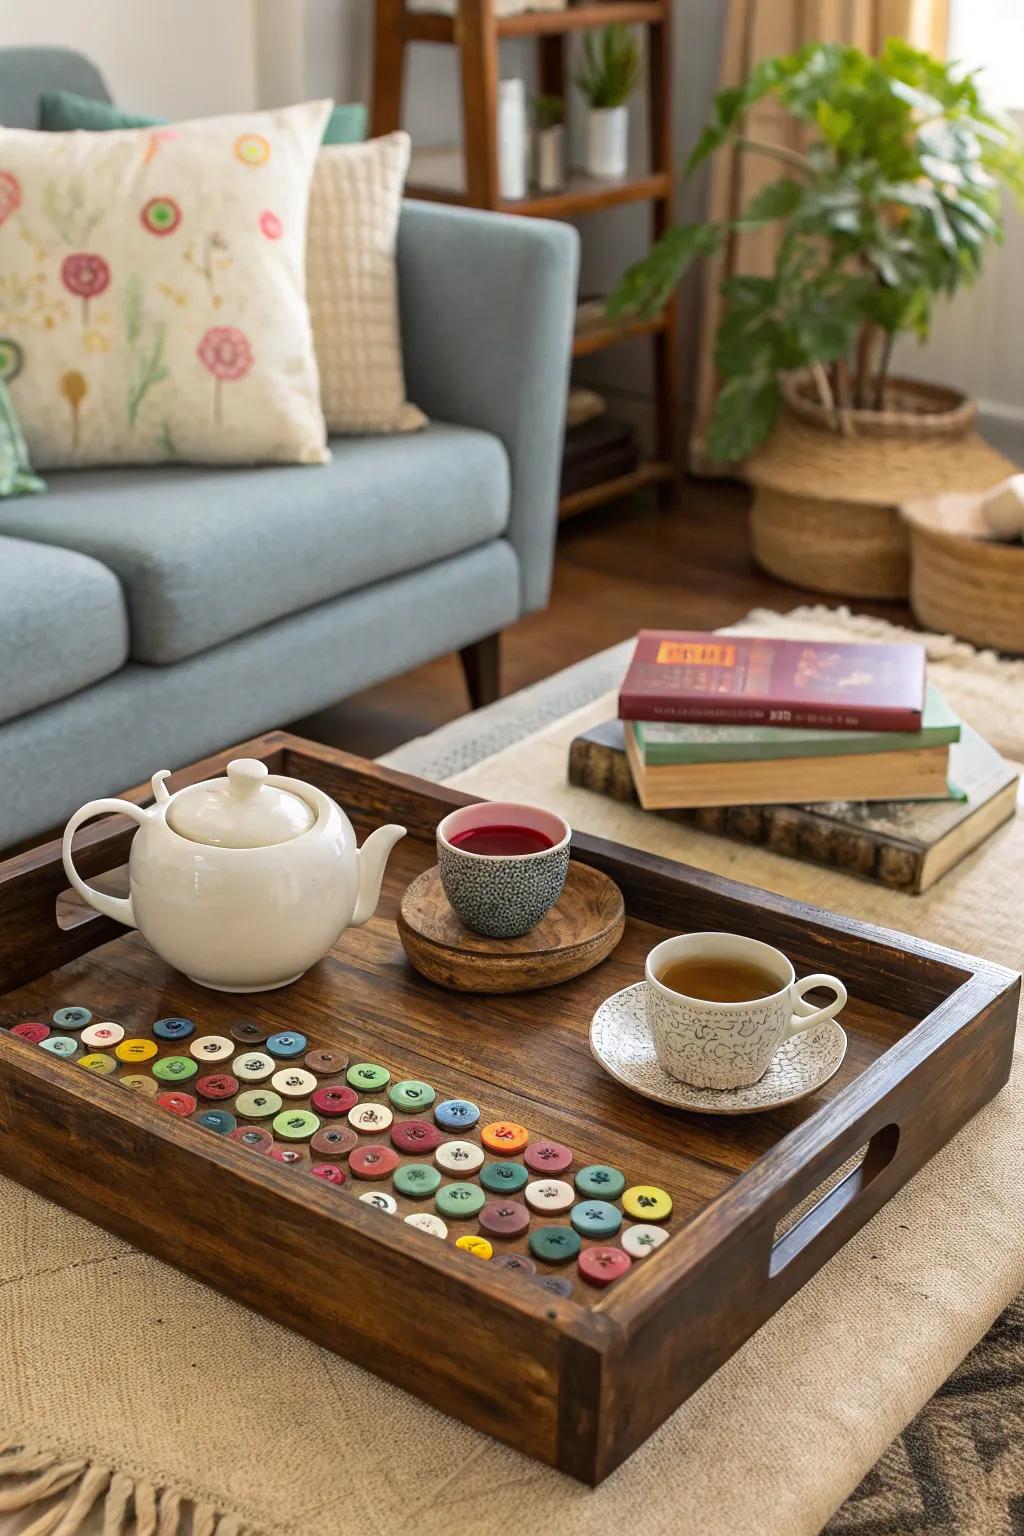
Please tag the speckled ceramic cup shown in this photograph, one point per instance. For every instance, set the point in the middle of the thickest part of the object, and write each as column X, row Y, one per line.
column 502, row 895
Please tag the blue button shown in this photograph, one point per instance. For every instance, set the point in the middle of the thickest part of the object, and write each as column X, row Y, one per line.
column 287, row 1044
column 72, row 1017
column 596, row 1218
column 60, row 1045
column 173, row 1029
column 218, row 1120
column 456, row 1114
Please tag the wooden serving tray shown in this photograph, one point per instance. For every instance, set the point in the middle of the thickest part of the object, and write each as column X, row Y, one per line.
column 578, row 1382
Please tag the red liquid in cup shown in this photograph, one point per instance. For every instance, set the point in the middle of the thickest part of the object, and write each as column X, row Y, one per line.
column 500, row 841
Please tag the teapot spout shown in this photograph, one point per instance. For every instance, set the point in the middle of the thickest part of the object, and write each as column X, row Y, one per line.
column 372, row 858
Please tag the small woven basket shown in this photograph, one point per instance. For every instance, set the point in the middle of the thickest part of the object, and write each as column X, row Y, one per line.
column 964, row 583
column 830, row 546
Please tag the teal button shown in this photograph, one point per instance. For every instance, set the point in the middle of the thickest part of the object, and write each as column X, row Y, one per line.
column 219, row 1120
column 412, row 1095
column 504, row 1178
column 459, row 1200
column 60, row 1045
column 417, row 1180
column 175, row 1069
column 596, row 1218
column 555, row 1245
column 72, row 1017
column 601, row 1181
column 368, row 1076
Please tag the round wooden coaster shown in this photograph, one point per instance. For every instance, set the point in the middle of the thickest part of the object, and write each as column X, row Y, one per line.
column 583, row 926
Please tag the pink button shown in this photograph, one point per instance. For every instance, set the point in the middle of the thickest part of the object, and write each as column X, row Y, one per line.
column 603, row 1265
column 31, row 1031
column 547, row 1157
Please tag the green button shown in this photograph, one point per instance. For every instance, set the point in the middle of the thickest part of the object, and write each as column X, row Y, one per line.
column 601, row 1181
column 412, row 1095
column 368, row 1076
column 459, row 1200
column 504, row 1178
column 175, row 1069
column 417, row 1180
column 295, row 1125
column 555, row 1245
column 596, row 1218
column 258, row 1104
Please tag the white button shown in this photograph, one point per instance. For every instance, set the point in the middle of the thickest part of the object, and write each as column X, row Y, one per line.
column 427, row 1222
column 253, row 1067
column 367, row 1118
column 459, row 1156
column 380, row 1201
column 212, row 1047
column 99, row 1035
column 293, row 1082
column 642, row 1239
column 549, row 1195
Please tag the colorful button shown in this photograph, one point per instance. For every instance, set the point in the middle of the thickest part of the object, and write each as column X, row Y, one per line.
column 99, row 1037
column 555, row 1245
column 175, row 1069
column 504, row 1178
column 248, row 1033
column 293, row 1082
column 256, row 1137
column 369, row 1119
column 98, row 1062
column 367, row 1076
column 479, row 1247
column 426, row 1221
column 516, row 1263
column 641, row 1240
column 72, row 1017
column 295, row 1124
column 504, row 1136
column 417, row 1180
column 135, row 1051
column 600, row 1266
column 211, row 1048
column 333, row 1141
column 287, row 1044
column 253, row 1066
column 505, row 1218
column 173, row 1029
column 596, row 1218
column 216, row 1085
column 415, row 1136
column 221, row 1121
column 647, row 1203
column 334, row 1100
column 329, row 1172
column 380, row 1201
column 60, row 1045
column 556, row 1284
column 547, row 1157
column 138, row 1082
column 290, row 1155
column 325, row 1063
column 258, row 1104
column 374, row 1161
column 412, row 1095
column 459, row 1200
column 456, row 1114
column 602, row 1182
column 34, row 1033
column 551, row 1196
column 459, row 1156
column 180, row 1104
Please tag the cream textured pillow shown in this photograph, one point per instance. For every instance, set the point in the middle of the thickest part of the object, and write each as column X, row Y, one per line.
column 352, row 281
column 152, row 287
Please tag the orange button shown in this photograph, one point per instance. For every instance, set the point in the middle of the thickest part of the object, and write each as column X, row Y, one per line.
column 504, row 1136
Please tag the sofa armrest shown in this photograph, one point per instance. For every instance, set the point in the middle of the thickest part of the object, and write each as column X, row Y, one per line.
column 488, row 304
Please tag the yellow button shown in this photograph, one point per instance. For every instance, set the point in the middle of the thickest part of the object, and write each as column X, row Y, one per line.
column 135, row 1050
column 139, row 1083
column 99, row 1062
column 479, row 1247
column 647, row 1203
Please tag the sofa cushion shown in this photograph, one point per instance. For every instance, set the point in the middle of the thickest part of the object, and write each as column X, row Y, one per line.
column 205, row 554
column 63, row 624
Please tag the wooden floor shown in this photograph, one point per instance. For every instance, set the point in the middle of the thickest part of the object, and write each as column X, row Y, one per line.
column 617, row 570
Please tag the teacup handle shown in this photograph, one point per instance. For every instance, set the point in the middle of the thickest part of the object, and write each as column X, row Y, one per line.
column 806, row 1015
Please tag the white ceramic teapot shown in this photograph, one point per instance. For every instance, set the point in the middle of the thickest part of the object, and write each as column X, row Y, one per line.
column 244, row 882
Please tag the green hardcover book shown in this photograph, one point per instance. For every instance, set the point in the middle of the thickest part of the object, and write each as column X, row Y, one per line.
column 667, row 743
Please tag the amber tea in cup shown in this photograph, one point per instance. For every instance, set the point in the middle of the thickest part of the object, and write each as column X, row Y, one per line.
column 719, row 981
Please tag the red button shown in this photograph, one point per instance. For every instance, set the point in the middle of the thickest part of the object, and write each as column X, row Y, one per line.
column 285, row 1154
column 547, row 1157
column 416, row 1136
column 216, row 1085
column 517, row 1262
column 603, row 1265
column 252, row 1136
column 329, row 1172
column 333, row 1141
column 373, row 1162
column 504, row 1218
column 334, row 1100
column 178, row 1103
column 31, row 1031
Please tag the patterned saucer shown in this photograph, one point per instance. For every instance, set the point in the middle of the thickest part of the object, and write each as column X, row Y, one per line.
column 621, row 1042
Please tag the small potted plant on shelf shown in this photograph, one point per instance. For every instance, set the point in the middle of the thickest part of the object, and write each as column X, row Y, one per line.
column 611, row 69
column 549, row 119
column 889, row 205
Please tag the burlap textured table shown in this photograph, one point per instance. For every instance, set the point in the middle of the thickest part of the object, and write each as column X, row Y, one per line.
column 114, row 1361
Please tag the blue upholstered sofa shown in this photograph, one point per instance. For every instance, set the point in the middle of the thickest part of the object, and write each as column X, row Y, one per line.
column 149, row 616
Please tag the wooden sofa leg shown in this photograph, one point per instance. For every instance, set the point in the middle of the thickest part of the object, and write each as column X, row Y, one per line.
column 481, row 664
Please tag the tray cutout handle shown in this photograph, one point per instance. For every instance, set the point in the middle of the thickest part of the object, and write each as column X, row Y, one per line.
column 873, row 1157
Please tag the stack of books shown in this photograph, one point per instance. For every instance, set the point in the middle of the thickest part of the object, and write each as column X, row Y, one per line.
column 840, row 753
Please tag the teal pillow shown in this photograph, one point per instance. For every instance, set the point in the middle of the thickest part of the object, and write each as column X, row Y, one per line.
column 63, row 111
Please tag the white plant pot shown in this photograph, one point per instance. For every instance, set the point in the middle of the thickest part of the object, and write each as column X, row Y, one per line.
column 608, row 142
column 551, row 158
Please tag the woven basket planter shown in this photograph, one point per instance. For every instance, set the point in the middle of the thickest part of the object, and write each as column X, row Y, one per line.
column 828, row 485
column 962, row 582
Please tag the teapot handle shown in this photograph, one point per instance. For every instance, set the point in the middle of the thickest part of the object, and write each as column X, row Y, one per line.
column 117, row 907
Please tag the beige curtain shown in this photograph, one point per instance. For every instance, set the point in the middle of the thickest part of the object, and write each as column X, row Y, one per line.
column 756, row 29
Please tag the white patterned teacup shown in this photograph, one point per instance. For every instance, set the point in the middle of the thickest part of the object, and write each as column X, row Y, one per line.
column 728, row 1045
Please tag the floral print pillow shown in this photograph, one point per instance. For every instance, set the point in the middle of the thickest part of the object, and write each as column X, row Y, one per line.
column 152, row 291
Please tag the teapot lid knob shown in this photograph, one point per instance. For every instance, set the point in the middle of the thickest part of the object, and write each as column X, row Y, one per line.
column 246, row 776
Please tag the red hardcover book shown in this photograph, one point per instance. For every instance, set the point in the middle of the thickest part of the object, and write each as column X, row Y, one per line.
column 743, row 679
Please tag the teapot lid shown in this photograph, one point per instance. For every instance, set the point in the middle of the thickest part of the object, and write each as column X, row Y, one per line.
column 241, row 811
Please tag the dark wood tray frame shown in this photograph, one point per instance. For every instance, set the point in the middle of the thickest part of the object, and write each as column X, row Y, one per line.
column 577, row 1386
